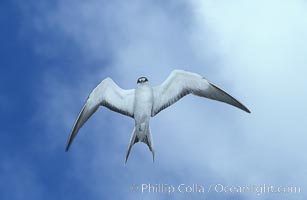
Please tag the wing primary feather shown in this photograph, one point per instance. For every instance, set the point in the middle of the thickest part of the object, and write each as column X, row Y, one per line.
column 74, row 130
column 107, row 94
column 180, row 83
column 220, row 95
column 84, row 115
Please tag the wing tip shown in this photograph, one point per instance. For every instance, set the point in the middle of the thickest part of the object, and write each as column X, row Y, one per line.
column 67, row 148
column 68, row 145
column 237, row 104
column 247, row 110
column 242, row 107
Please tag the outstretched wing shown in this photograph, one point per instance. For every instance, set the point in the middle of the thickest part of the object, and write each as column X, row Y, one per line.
column 180, row 83
column 107, row 94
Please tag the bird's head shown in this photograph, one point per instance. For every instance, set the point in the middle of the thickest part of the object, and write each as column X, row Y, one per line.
column 142, row 80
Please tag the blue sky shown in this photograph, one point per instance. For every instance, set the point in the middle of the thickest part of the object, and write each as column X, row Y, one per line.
column 53, row 53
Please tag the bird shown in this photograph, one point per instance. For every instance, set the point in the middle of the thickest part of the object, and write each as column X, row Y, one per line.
column 145, row 102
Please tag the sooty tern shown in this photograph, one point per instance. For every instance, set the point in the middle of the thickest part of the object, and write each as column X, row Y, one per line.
column 146, row 101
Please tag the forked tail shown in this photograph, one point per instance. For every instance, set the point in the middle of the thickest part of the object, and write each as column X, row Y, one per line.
column 147, row 140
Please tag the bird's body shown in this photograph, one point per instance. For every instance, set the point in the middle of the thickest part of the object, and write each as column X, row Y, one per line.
column 145, row 101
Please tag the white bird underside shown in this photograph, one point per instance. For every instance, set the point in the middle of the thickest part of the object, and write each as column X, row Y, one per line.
column 177, row 85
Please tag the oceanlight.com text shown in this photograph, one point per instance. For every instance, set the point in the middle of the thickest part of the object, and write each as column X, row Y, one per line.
column 215, row 188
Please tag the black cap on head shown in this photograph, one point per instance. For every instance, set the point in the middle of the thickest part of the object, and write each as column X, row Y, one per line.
column 142, row 80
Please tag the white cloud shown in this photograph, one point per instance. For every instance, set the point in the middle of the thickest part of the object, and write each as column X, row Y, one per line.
column 263, row 45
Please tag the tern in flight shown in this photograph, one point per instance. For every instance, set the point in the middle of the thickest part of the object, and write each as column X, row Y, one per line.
column 146, row 101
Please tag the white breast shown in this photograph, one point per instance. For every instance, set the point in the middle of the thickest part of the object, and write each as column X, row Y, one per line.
column 143, row 102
